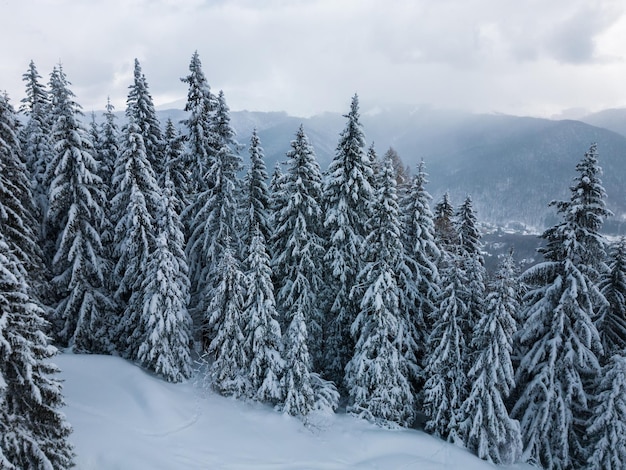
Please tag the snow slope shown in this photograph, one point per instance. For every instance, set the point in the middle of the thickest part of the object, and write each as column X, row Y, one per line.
column 126, row 419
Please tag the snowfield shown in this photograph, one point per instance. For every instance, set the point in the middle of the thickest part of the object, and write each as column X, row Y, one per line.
column 126, row 419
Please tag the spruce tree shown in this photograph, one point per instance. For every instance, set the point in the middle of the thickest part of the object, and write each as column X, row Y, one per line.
column 140, row 110
column 33, row 432
column 611, row 322
column 35, row 137
column 418, row 232
column 178, row 174
column 134, row 209
column 202, row 144
column 378, row 374
column 348, row 195
column 446, row 381
column 297, row 243
column 263, row 339
column 216, row 223
column 484, row 423
column 223, row 320
column 607, row 427
column 165, row 323
column 257, row 206
column 560, row 343
column 445, row 231
column 76, row 203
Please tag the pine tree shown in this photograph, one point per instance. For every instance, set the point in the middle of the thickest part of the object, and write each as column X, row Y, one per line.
column 484, row 423
column 298, row 246
column 140, row 110
column 378, row 374
column 134, row 208
column 76, row 203
column 607, row 427
column 178, row 174
column 421, row 247
column 165, row 323
column 611, row 322
column 348, row 195
column 223, row 320
column 33, row 432
column 560, row 343
column 446, row 384
column 202, row 144
column 216, row 224
column 35, row 137
column 257, row 206
column 263, row 339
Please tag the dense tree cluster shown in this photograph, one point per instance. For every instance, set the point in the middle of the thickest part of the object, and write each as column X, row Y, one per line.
column 302, row 292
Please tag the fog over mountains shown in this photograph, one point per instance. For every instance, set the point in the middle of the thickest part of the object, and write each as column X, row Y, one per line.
column 511, row 166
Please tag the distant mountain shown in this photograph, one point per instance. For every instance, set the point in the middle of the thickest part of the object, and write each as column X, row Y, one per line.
column 611, row 119
column 511, row 166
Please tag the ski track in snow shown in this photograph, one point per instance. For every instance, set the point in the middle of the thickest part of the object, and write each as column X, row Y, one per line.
column 127, row 419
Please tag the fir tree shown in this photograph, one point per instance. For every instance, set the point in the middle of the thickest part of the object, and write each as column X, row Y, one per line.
column 76, row 203
column 202, row 144
column 165, row 323
column 263, row 338
column 35, row 137
column 560, row 343
column 136, row 197
column 33, row 432
column 446, row 385
column 257, row 206
column 140, row 110
column 611, row 322
column 421, row 247
column 223, row 320
column 607, row 427
column 377, row 376
column 348, row 195
column 445, row 231
column 298, row 249
column 178, row 174
column 484, row 423
column 215, row 224
column 17, row 209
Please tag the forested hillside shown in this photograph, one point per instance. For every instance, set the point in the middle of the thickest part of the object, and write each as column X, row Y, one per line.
column 308, row 287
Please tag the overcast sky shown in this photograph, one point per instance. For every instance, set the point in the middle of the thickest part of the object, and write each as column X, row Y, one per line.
column 524, row 57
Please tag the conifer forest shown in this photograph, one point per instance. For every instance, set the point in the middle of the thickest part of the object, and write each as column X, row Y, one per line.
column 172, row 245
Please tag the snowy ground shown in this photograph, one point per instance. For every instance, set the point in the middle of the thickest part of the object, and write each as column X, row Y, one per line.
column 126, row 419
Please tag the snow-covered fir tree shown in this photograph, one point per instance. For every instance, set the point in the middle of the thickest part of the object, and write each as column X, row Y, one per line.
column 484, row 423
column 33, row 432
column 559, row 340
column 178, row 174
column 445, row 372
column 215, row 223
column 378, row 374
column 418, row 232
column 134, row 209
column 165, row 322
column 223, row 323
column 263, row 339
column 76, row 203
column 202, row 143
column 607, row 427
column 17, row 209
column 257, row 205
column 611, row 322
column 35, row 137
column 140, row 110
column 445, row 231
column 298, row 246
column 348, row 195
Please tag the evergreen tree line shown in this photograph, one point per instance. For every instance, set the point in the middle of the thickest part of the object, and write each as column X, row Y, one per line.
column 319, row 288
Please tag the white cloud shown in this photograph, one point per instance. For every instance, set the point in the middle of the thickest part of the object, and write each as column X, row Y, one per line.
column 529, row 56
